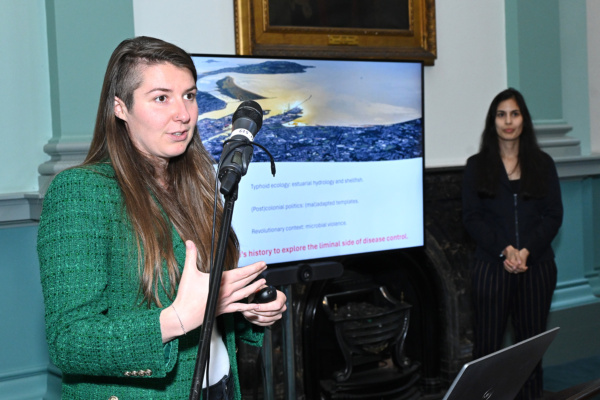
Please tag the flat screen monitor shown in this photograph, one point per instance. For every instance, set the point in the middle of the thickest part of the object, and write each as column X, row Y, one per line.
column 347, row 137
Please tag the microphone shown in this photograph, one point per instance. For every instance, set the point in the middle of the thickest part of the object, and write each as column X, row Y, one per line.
column 238, row 149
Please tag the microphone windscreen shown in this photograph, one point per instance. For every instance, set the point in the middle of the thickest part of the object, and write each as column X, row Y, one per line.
column 249, row 115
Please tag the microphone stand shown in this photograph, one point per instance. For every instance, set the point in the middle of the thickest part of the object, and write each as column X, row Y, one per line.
column 216, row 273
column 230, row 179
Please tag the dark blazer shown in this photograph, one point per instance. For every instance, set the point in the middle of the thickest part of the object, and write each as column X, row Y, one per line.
column 509, row 219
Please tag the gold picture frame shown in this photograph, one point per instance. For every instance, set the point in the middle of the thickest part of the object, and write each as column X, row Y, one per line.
column 256, row 33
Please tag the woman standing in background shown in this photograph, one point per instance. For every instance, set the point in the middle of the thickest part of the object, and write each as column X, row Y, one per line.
column 512, row 208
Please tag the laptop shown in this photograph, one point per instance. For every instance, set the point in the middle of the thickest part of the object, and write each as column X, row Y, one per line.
column 500, row 375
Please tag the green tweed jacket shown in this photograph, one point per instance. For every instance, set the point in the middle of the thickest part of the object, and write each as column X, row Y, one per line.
column 106, row 344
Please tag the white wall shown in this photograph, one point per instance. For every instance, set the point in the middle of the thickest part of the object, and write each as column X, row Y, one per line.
column 469, row 71
column 197, row 26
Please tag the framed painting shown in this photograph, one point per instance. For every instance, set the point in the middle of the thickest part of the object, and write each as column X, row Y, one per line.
column 357, row 29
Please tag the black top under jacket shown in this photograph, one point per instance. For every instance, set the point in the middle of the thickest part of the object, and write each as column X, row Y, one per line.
column 510, row 219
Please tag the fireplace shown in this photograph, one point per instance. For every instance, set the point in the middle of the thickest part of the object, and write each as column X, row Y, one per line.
column 432, row 283
column 370, row 328
column 403, row 277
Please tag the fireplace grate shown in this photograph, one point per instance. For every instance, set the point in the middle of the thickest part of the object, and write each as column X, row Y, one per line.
column 370, row 328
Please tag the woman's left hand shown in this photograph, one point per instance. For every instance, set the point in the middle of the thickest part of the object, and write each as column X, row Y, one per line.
column 523, row 254
column 266, row 314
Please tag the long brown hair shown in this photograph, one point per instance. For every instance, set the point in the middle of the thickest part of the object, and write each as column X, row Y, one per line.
column 188, row 199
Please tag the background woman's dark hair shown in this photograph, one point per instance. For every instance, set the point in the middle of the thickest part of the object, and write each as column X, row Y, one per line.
column 186, row 202
column 531, row 158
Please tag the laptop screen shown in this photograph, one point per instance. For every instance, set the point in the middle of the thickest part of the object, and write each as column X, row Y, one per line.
column 500, row 375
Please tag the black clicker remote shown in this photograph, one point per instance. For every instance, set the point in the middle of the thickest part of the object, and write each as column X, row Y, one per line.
column 265, row 295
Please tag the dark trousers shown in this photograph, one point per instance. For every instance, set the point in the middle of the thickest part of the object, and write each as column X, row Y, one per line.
column 222, row 390
column 524, row 297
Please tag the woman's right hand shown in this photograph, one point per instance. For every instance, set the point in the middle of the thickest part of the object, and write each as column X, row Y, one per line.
column 187, row 311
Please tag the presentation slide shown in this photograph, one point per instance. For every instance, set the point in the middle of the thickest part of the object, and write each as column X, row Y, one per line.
column 347, row 140
column 315, row 210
